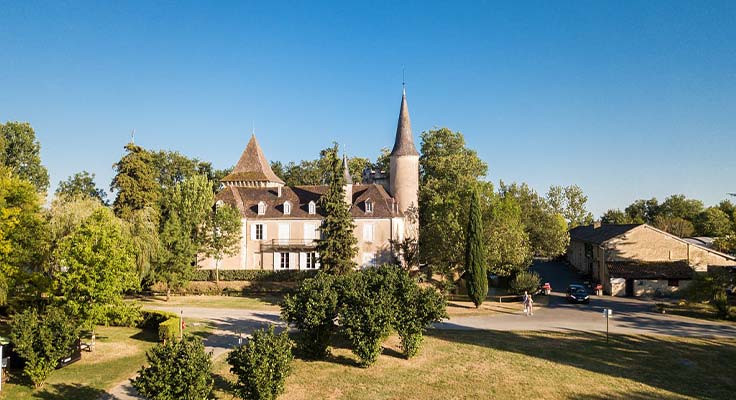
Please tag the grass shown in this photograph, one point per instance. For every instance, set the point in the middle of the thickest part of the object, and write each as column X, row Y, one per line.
column 515, row 365
column 695, row 310
column 260, row 303
column 119, row 353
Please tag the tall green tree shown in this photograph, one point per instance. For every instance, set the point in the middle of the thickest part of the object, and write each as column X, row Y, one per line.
column 222, row 234
column 679, row 206
column 643, row 211
column 713, row 222
column 317, row 171
column 569, row 201
column 448, row 172
column 81, row 184
column 475, row 258
column 674, row 225
column 21, row 152
column 338, row 244
column 135, row 182
column 615, row 216
column 507, row 242
column 96, row 267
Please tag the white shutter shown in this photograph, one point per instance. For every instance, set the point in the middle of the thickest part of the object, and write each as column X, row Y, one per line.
column 310, row 232
column 252, row 231
column 368, row 232
column 276, row 260
column 284, row 231
column 265, row 232
column 302, row 260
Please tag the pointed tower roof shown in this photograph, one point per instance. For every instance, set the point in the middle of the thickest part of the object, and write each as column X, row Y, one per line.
column 404, row 144
column 346, row 171
column 253, row 166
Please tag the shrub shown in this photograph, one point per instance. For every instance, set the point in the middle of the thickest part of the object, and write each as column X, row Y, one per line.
column 151, row 319
column 262, row 365
column 367, row 310
column 720, row 302
column 252, row 275
column 525, row 281
column 43, row 340
column 417, row 308
column 177, row 370
column 169, row 329
column 123, row 315
column 313, row 309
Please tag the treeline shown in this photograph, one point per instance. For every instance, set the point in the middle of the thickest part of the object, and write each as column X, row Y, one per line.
column 683, row 217
column 83, row 253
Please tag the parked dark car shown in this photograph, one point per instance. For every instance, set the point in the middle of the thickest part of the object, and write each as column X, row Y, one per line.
column 578, row 294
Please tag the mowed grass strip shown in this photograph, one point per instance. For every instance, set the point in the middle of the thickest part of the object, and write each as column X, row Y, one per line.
column 521, row 365
column 259, row 303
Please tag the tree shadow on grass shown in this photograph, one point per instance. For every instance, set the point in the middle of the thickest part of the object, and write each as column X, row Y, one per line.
column 62, row 391
column 700, row 368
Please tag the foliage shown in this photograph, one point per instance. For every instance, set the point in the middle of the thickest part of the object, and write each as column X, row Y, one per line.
column 476, row 274
column 713, row 222
column 135, row 182
column 569, row 201
column 338, row 244
column 169, row 330
column 679, row 206
column 642, row 211
column 448, row 172
column 547, row 230
column 262, row 365
column 172, row 168
column 177, row 370
column 525, row 281
column 222, row 233
column 319, row 171
column 23, row 240
column 674, row 225
column 42, row 340
column 21, row 153
column 367, row 310
column 507, row 242
column 711, row 287
column 143, row 230
column 95, row 267
column 313, row 310
column 81, row 184
column 615, row 216
column 257, row 275
column 416, row 308
column 726, row 244
column 151, row 319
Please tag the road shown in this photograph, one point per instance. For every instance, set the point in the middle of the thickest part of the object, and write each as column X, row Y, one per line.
column 630, row 316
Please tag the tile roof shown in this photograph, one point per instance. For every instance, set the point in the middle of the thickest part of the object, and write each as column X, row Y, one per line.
column 650, row 270
column 603, row 233
column 246, row 199
column 252, row 166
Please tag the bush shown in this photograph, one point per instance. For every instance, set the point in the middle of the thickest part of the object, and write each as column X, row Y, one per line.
column 252, row 275
column 123, row 315
column 313, row 310
column 367, row 310
column 262, row 365
column 43, row 340
column 177, row 370
column 720, row 302
column 417, row 309
column 151, row 319
column 169, row 329
column 525, row 281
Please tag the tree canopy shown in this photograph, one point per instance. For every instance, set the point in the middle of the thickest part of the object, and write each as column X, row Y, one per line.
column 81, row 184
column 21, row 153
column 135, row 182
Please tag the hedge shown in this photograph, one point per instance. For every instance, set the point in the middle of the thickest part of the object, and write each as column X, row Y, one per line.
column 257, row 275
column 152, row 319
column 169, row 329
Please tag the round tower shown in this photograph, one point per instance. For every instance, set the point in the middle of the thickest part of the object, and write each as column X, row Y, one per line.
column 404, row 159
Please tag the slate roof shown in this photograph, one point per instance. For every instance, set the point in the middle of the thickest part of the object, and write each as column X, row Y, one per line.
column 591, row 234
column 246, row 199
column 252, row 166
column 404, row 143
column 650, row 270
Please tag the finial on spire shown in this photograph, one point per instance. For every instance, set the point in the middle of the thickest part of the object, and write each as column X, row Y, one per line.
column 403, row 80
column 252, row 127
column 132, row 136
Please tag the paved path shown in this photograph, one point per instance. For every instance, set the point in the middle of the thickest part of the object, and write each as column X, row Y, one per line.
column 630, row 316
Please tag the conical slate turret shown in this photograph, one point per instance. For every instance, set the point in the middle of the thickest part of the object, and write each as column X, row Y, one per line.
column 404, row 143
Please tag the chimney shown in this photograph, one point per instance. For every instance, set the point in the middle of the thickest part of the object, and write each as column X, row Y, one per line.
column 596, row 224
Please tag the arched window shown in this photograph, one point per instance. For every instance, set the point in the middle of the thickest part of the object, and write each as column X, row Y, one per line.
column 312, row 208
column 368, row 206
column 287, row 208
column 261, row 208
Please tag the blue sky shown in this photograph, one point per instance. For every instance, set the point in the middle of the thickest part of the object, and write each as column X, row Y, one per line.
column 626, row 99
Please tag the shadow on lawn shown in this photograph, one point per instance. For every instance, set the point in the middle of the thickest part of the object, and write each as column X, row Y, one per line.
column 62, row 391
column 701, row 369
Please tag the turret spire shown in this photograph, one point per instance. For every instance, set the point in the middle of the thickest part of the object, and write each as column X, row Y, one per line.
column 252, row 169
column 346, row 170
column 404, row 143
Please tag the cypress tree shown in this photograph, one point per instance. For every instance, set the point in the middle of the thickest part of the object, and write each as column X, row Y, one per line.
column 475, row 270
column 338, row 245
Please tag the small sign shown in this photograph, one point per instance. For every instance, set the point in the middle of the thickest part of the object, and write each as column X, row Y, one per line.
column 607, row 312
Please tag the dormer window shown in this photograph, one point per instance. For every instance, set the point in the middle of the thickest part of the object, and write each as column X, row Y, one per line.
column 369, row 206
column 261, row 208
column 287, row 208
column 312, row 208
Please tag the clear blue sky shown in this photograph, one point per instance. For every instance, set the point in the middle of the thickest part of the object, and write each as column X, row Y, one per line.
column 626, row 99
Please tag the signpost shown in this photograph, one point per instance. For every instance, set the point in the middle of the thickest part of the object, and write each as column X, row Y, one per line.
column 607, row 313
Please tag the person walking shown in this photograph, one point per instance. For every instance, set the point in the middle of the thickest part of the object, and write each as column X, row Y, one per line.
column 530, row 305
column 525, row 302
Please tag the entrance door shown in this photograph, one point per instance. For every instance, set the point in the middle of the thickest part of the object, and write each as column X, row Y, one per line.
column 629, row 287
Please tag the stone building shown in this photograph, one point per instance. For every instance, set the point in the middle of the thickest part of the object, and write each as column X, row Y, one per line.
column 280, row 224
column 638, row 259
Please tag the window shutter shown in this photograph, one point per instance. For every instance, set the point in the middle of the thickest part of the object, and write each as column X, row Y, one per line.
column 265, row 232
column 302, row 260
column 252, row 231
column 276, row 260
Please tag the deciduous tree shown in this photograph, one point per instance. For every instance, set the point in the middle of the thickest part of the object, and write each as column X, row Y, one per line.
column 81, row 184
column 222, row 234
column 21, row 153
column 569, row 201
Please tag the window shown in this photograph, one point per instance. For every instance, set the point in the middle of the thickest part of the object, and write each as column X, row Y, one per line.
column 311, row 262
column 368, row 232
column 673, row 282
column 310, row 232
column 287, row 208
column 261, row 208
column 312, row 208
column 259, row 231
column 284, row 260
column 368, row 206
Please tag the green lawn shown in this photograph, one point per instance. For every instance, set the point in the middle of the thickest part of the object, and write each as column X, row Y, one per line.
column 262, row 303
column 516, row 365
